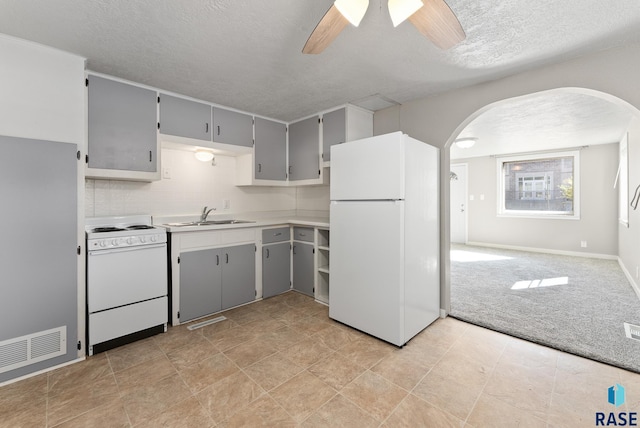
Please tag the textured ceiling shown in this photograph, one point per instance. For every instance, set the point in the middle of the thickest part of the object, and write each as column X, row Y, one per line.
column 247, row 54
column 546, row 121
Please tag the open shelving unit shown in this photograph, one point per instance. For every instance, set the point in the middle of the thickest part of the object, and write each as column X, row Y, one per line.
column 322, row 263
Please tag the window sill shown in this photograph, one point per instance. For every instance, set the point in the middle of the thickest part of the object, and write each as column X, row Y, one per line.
column 539, row 216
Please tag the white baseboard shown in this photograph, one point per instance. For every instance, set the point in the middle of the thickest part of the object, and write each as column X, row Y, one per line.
column 630, row 278
column 546, row 250
column 77, row 360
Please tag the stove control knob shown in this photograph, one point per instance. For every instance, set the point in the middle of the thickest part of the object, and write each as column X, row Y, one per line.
column 103, row 244
column 154, row 238
column 129, row 241
column 142, row 240
column 114, row 242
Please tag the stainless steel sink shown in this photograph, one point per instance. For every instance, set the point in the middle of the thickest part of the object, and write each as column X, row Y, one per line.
column 209, row 223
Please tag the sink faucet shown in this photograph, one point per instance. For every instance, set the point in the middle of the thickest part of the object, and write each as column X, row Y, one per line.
column 205, row 213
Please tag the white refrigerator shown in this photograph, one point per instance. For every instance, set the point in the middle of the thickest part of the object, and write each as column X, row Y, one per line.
column 384, row 256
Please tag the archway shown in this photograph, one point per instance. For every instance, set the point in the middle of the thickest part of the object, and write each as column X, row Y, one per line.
column 628, row 120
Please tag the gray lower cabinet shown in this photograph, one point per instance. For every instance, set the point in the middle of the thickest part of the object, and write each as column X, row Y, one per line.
column 231, row 127
column 122, row 129
column 270, row 150
column 200, row 284
column 185, row 118
column 238, row 275
column 216, row 279
column 304, row 149
column 303, row 268
column 276, row 269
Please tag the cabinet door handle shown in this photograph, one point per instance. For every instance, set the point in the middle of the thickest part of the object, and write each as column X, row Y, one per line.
column 294, row 249
column 267, row 253
column 277, row 234
column 206, row 127
column 227, row 256
column 150, row 156
column 218, row 129
column 259, row 167
column 217, row 260
column 302, row 234
column 289, row 169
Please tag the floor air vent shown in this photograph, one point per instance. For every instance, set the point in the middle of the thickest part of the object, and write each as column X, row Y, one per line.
column 32, row 348
column 206, row 323
column 632, row 331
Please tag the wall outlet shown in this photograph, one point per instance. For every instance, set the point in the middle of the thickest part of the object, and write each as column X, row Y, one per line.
column 482, row 197
column 471, row 197
column 583, row 244
column 166, row 172
column 226, row 204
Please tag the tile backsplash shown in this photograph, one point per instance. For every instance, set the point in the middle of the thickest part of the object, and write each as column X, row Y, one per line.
column 191, row 186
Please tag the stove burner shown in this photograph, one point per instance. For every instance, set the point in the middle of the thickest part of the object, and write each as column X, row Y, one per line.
column 139, row 227
column 107, row 229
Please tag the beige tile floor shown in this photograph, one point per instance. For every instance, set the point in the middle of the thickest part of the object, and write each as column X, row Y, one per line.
column 282, row 362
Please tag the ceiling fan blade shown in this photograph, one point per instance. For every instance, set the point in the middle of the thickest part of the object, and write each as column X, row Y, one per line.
column 331, row 24
column 437, row 21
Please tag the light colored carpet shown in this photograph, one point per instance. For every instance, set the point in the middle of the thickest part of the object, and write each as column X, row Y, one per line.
column 573, row 304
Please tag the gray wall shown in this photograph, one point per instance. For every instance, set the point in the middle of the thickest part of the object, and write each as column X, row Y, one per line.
column 437, row 120
column 598, row 209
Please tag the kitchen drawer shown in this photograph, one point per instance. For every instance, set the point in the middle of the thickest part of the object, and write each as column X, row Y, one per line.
column 303, row 234
column 275, row 235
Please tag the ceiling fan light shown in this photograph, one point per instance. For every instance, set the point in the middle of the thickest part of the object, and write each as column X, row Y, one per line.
column 352, row 10
column 400, row 10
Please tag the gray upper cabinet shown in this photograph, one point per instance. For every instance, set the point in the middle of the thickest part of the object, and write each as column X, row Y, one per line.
column 304, row 149
column 334, row 131
column 185, row 118
column 230, row 127
column 122, row 127
column 270, row 150
column 344, row 124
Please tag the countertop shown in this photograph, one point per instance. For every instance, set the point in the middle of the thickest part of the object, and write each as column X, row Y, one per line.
column 260, row 223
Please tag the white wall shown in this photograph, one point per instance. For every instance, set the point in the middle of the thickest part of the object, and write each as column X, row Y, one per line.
column 41, row 92
column 193, row 184
column 313, row 200
column 598, row 209
column 629, row 237
column 437, row 120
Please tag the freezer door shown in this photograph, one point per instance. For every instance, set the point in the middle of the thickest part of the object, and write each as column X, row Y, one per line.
column 368, row 169
column 367, row 274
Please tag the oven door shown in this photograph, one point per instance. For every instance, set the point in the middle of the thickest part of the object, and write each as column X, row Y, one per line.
column 126, row 275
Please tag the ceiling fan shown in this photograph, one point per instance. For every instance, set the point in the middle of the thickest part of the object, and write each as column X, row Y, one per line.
column 433, row 18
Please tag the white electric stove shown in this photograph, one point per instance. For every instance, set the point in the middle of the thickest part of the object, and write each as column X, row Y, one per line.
column 127, row 283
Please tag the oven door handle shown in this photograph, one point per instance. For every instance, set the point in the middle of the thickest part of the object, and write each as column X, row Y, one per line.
column 125, row 249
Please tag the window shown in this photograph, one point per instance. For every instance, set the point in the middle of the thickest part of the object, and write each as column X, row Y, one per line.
column 543, row 185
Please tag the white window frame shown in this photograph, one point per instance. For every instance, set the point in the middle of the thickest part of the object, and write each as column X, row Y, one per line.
column 503, row 212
